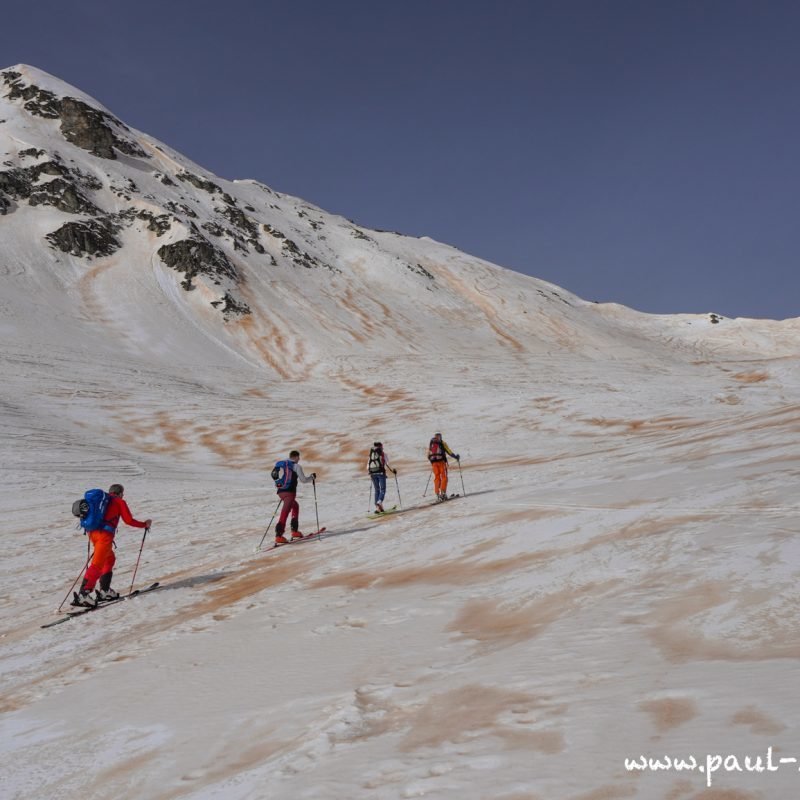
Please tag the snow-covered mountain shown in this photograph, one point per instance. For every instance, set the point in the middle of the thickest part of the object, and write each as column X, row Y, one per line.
column 618, row 580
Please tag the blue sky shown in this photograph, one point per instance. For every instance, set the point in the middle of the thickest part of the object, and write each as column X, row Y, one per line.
column 637, row 152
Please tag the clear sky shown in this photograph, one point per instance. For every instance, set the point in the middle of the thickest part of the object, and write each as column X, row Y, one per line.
column 640, row 152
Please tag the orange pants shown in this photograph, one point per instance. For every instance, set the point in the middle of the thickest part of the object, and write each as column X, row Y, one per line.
column 439, row 476
column 103, row 558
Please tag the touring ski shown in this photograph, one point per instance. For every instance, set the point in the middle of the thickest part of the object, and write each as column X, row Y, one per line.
column 80, row 611
column 376, row 514
column 305, row 538
column 449, row 497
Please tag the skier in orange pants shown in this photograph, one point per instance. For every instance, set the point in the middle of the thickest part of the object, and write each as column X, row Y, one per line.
column 102, row 564
column 437, row 455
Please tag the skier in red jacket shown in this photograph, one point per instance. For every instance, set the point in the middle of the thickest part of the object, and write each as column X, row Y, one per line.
column 103, row 558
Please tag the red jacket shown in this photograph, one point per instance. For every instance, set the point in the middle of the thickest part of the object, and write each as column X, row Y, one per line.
column 117, row 508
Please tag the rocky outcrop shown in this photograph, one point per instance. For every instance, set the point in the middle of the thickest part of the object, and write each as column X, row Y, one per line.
column 200, row 183
column 19, row 183
column 420, row 270
column 63, row 195
column 36, row 101
column 82, row 125
column 94, row 237
column 231, row 307
column 197, row 256
column 302, row 258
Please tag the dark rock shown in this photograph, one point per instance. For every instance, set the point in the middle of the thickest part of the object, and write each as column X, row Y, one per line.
column 87, row 180
column 125, row 189
column 197, row 256
column 200, row 183
column 63, row 195
column 31, row 152
column 240, row 220
column 304, row 259
column 231, row 307
column 420, row 270
column 165, row 179
column 274, row 232
column 359, row 234
column 213, row 228
column 20, row 183
column 177, row 208
column 81, row 124
column 5, row 205
column 91, row 238
column 159, row 224
column 37, row 101
column 93, row 130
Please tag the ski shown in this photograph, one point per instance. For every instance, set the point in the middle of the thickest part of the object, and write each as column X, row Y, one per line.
column 376, row 514
column 449, row 497
column 305, row 538
column 80, row 611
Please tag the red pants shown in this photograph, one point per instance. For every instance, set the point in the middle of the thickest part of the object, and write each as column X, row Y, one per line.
column 289, row 505
column 439, row 476
column 103, row 558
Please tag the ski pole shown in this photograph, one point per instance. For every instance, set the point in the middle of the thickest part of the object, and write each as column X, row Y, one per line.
column 369, row 499
column 136, row 568
column 316, row 510
column 463, row 490
column 258, row 546
column 426, row 485
column 397, row 483
column 85, row 566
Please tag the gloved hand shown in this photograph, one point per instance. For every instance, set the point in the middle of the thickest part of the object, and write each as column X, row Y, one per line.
column 148, row 523
column 458, row 457
column 395, row 471
column 313, row 476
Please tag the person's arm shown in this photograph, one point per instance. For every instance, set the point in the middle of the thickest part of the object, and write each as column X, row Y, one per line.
column 450, row 452
column 302, row 477
column 387, row 465
column 127, row 517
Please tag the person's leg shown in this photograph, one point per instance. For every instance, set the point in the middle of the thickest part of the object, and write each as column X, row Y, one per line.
column 376, row 487
column 287, row 498
column 295, row 509
column 444, row 478
column 438, row 473
column 380, row 492
column 103, row 554
column 108, row 570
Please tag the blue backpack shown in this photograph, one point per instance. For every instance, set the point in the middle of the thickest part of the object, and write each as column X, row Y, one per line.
column 282, row 474
column 91, row 511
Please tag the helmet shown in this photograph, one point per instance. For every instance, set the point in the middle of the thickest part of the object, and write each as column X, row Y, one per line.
column 377, row 444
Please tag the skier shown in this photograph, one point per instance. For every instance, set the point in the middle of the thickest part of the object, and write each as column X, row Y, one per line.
column 377, row 466
column 103, row 558
column 286, row 474
column 437, row 455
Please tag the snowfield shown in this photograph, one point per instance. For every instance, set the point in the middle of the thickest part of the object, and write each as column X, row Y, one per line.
column 617, row 580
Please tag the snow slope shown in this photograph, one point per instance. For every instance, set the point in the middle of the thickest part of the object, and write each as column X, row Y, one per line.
column 619, row 580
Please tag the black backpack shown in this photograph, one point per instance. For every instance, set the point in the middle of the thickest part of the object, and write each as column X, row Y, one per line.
column 375, row 461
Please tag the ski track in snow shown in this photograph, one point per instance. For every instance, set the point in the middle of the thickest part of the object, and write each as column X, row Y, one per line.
column 620, row 578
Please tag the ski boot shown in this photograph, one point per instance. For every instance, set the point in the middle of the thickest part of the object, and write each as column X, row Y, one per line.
column 83, row 598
